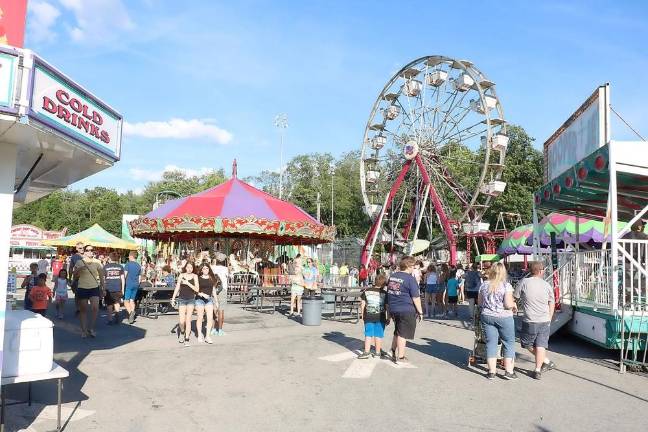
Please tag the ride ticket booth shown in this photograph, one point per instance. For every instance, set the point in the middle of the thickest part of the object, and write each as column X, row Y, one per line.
column 53, row 132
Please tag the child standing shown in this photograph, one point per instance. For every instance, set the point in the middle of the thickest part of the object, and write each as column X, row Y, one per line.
column 431, row 289
column 452, row 293
column 374, row 313
column 61, row 292
column 40, row 295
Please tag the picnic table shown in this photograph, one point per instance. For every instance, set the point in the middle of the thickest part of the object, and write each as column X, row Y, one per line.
column 262, row 295
column 343, row 298
column 156, row 299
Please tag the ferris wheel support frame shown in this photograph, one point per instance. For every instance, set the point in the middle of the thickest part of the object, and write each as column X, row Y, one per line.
column 370, row 240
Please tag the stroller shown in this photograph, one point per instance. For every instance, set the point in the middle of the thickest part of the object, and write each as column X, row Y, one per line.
column 478, row 354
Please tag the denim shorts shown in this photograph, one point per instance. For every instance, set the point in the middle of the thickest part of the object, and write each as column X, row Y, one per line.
column 130, row 293
column 496, row 328
column 431, row 288
column 185, row 302
column 374, row 329
column 202, row 302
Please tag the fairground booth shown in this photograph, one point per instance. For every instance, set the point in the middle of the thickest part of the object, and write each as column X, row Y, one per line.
column 589, row 175
column 53, row 132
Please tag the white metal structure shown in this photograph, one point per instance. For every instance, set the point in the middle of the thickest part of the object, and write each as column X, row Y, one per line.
column 446, row 114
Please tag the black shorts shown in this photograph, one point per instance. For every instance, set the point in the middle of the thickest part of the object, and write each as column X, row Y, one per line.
column 535, row 334
column 86, row 293
column 405, row 324
column 471, row 294
column 112, row 297
column 453, row 299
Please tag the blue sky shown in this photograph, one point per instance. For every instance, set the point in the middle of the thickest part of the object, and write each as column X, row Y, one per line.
column 199, row 82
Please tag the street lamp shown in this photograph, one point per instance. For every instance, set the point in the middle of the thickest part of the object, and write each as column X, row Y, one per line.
column 332, row 195
column 281, row 123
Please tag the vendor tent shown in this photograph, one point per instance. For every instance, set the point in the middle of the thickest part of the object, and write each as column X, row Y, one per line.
column 93, row 236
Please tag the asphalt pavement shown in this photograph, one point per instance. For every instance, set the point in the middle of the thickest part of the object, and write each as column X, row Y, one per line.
column 271, row 373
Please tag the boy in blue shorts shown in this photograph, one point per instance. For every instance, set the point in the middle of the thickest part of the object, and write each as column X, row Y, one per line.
column 374, row 314
column 452, row 293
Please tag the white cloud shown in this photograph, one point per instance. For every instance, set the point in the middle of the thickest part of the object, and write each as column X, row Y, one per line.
column 97, row 22
column 179, row 129
column 156, row 175
column 41, row 20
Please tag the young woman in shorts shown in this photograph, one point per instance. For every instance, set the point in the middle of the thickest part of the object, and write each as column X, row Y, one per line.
column 431, row 289
column 205, row 301
column 186, row 289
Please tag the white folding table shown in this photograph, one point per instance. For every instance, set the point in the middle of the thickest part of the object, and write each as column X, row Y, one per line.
column 57, row 373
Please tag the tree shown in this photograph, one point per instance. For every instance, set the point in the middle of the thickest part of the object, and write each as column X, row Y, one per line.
column 523, row 175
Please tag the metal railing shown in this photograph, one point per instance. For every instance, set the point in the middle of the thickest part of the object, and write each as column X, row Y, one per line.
column 633, row 274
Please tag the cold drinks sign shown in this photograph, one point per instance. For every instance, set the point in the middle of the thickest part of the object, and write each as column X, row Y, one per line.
column 72, row 111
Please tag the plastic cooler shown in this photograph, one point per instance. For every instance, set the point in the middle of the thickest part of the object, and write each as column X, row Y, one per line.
column 28, row 346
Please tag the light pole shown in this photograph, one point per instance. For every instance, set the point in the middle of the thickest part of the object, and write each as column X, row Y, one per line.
column 332, row 195
column 281, row 123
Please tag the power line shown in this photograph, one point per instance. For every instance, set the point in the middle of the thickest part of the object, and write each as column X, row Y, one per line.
column 627, row 124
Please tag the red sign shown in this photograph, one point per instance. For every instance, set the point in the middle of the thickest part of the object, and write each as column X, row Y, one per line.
column 12, row 22
column 73, row 111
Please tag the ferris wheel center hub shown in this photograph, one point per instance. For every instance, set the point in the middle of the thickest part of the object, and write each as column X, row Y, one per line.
column 411, row 149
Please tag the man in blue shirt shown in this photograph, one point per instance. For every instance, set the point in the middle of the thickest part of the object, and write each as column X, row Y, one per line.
column 132, row 272
column 404, row 304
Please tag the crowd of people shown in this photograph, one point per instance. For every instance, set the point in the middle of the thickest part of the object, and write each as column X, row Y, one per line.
column 396, row 296
column 401, row 294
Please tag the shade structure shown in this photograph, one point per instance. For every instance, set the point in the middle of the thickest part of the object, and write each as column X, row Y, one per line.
column 515, row 241
column 589, row 230
column 232, row 209
column 94, row 236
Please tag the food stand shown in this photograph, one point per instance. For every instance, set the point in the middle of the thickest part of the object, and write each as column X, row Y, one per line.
column 53, row 132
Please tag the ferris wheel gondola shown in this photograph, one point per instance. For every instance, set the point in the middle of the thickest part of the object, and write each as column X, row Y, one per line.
column 433, row 154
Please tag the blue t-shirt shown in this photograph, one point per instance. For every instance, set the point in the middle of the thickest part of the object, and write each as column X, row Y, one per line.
column 133, row 271
column 401, row 289
column 452, row 287
column 112, row 274
column 169, row 281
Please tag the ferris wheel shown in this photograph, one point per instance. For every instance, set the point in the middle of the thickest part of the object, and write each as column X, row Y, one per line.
column 432, row 156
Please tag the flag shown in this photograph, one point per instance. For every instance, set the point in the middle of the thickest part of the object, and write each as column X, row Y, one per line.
column 12, row 22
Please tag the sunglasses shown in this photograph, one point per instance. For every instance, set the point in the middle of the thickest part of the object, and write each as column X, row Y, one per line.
column 89, row 250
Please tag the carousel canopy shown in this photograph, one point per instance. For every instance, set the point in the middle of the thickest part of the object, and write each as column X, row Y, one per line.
column 232, row 209
column 93, row 236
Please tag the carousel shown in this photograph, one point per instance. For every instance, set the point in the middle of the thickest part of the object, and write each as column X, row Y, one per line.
column 235, row 219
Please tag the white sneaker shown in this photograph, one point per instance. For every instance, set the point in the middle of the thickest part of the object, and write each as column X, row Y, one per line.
column 201, row 338
column 209, row 340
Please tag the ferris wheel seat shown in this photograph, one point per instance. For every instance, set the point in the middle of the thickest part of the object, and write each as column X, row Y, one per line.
column 476, row 105
column 412, row 87
column 499, row 142
column 377, row 127
column 392, row 112
column 410, row 73
column 486, row 84
column 494, row 188
column 378, row 142
column 373, row 176
column 475, row 227
column 436, row 78
column 373, row 210
column 463, row 82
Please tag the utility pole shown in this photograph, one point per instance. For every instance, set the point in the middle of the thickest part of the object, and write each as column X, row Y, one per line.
column 281, row 123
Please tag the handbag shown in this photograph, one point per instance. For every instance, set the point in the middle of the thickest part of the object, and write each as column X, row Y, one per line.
column 99, row 285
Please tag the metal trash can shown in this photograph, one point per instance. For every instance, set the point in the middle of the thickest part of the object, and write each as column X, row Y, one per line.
column 329, row 301
column 312, row 310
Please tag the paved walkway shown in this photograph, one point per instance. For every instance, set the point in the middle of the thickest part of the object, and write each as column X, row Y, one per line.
column 271, row 373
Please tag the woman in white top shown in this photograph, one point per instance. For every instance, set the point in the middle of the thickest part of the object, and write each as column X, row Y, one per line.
column 61, row 292
column 219, row 267
column 431, row 289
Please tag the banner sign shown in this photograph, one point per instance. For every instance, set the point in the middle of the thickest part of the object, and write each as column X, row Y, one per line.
column 67, row 108
column 584, row 132
column 12, row 22
column 8, row 64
